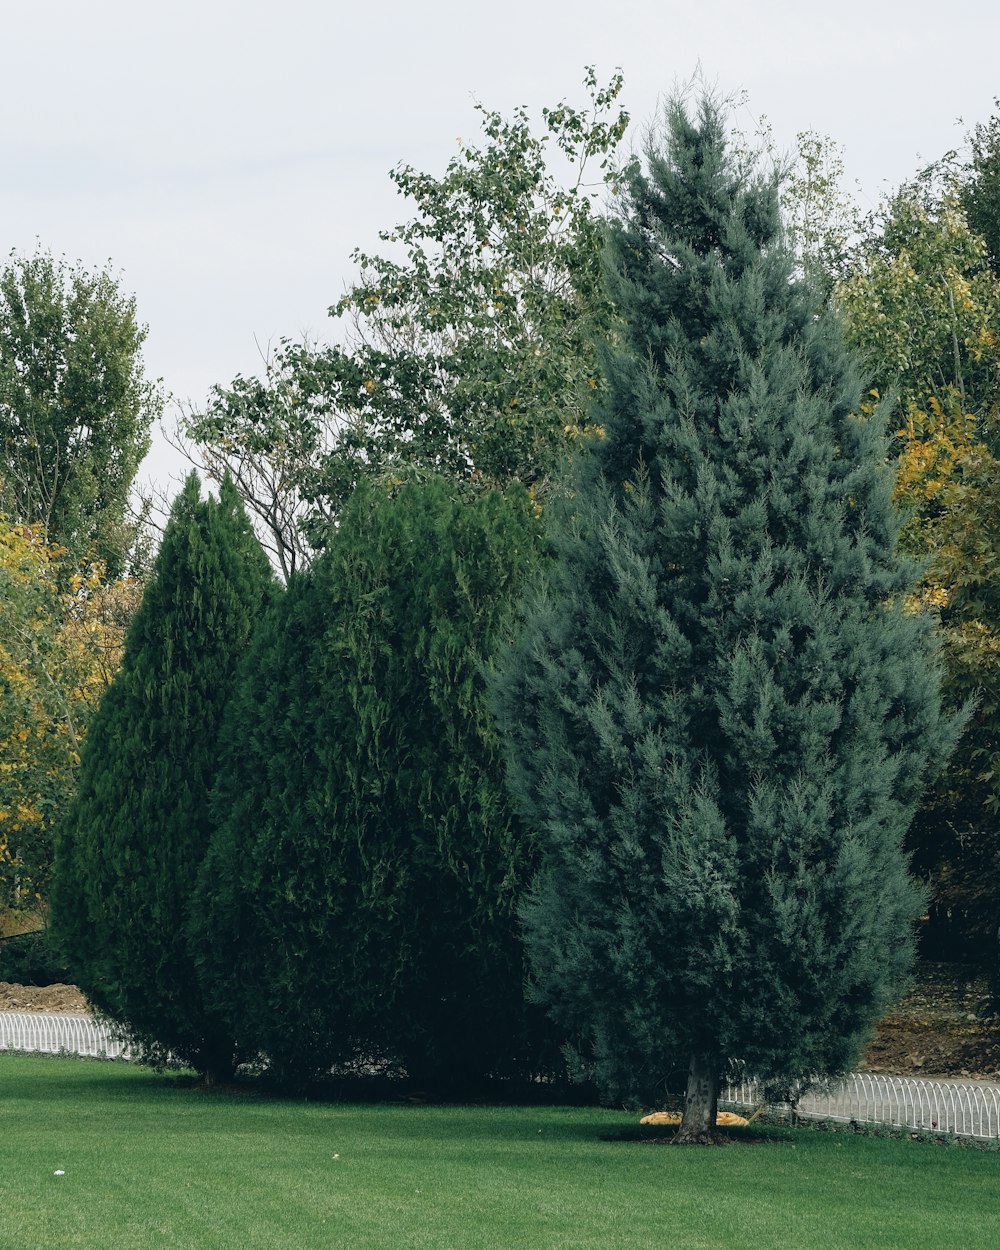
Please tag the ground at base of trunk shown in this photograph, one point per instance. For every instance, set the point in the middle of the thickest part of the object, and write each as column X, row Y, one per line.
column 703, row 1139
column 643, row 1135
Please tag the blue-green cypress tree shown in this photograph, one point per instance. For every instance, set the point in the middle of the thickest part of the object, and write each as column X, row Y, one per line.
column 367, row 866
column 129, row 855
column 719, row 714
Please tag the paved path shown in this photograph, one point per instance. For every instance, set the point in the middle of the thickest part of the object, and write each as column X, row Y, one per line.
column 968, row 1108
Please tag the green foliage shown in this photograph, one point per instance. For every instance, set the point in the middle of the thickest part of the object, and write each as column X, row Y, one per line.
column 75, row 407
column 720, row 715
column 61, row 636
column 129, row 854
column 478, row 345
column 981, row 187
column 30, row 959
column 468, row 349
column 950, row 483
column 359, row 897
column 922, row 305
column 821, row 218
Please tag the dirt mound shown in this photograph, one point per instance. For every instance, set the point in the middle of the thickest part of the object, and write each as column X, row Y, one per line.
column 42, row 998
column 945, row 1027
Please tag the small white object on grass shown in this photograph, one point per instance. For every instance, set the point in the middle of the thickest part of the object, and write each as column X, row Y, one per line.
column 58, row 1172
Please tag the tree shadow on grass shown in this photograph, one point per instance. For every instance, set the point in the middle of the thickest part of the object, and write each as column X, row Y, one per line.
column 663, row 1135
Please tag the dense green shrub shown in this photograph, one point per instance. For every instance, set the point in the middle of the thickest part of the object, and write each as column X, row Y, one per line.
column 31, row 959
column 360, row 895
column 129, row 855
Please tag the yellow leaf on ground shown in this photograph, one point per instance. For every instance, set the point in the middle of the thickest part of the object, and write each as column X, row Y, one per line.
column 727, row 1119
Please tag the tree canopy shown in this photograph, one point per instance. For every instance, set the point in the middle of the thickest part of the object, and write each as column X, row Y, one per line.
column 721, row 712
column 922, row 303
column 62, row 630
column 468, row 349
column 129, row 852
column 980, row 191
column 359, row 898
column 75, row 406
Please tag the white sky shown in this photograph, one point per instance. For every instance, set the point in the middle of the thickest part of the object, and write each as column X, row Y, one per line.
column 227, row 157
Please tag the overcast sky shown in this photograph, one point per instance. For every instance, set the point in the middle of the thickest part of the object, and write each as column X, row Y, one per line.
column 227, row 157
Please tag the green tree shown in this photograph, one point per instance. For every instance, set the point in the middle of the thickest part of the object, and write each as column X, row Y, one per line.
column 468, row 351
column 922, row 305
column 61, row 636
column 720, row 715
column 949, row 484
column 75, row 406
column 359, row 896
column 820, row 216
column 980, row 191
column 129, row 853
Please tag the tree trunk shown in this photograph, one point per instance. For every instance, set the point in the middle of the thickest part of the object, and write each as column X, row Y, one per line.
column 217, row 1073
column 701, row 1103
column 218, row 1061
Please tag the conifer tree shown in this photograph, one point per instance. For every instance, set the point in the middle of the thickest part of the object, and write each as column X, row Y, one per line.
column 267, row 802
column 360, row 895
column 129, row 855
column 719, row 717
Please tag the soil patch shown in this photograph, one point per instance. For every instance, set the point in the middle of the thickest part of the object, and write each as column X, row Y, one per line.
column 46, row 998
column 945, row 1027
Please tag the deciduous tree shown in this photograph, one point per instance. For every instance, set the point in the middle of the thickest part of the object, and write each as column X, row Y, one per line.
column 922, row 305
column 75, row 406
column 468, row 348
column 949, row 484
column 980, row 191
column 61, row 634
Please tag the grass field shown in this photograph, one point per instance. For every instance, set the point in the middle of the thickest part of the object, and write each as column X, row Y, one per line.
column 149, row 1161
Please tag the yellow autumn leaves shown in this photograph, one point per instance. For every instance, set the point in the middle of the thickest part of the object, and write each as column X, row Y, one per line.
column 62, row 631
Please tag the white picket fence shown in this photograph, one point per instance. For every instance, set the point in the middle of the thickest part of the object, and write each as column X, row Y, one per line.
column 59, row 1034
column 965, row 1108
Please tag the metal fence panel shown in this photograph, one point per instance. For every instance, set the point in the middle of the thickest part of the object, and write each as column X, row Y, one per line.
column 967, row 1109
column 58, row 1034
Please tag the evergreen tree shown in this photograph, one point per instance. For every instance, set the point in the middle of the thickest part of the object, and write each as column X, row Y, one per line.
column 129, row 855
column 719, row 717
column 366, row 870
column 255, row 969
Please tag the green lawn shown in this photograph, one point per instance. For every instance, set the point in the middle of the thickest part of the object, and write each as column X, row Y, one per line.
column 151, row 1162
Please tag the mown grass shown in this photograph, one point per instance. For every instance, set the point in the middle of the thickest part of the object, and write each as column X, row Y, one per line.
column 151, row 1162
